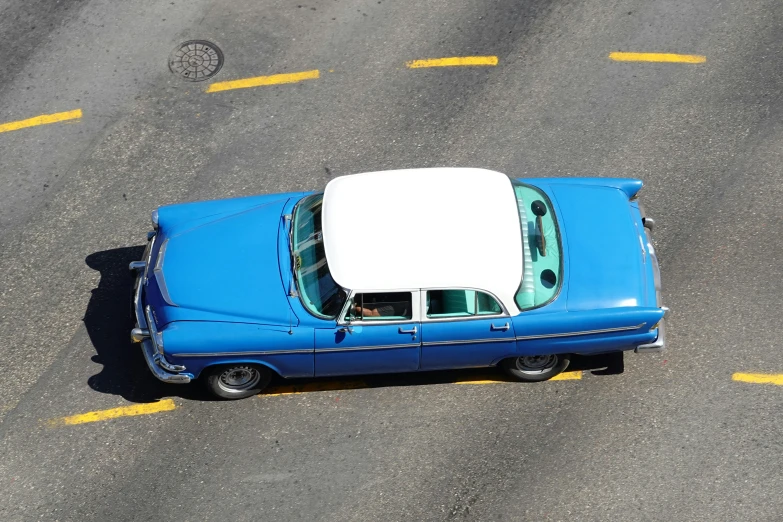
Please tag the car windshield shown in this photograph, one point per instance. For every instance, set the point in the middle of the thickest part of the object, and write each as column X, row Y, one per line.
column 541, row 245
column 317, row 290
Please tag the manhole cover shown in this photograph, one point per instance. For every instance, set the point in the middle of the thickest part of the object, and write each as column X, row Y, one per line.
column 196, row 60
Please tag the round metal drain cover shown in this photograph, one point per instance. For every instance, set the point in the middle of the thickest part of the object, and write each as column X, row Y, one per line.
column 196, row 60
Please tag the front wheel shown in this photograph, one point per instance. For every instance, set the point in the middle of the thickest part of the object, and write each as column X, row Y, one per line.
column 536, row 368
column 237, row 381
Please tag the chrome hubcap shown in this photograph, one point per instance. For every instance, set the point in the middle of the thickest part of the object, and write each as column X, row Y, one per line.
column 238, row 379
column 536, row 364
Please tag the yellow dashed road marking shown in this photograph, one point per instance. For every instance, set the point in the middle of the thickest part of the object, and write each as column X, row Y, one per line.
column 565, row 376
column 258, row 81
column 124, row 411
column 41, row 120
column 759, row 378
column 657, row 57
column 452, row 62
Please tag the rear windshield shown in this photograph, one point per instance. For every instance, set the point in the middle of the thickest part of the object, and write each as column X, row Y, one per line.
column 541, row 244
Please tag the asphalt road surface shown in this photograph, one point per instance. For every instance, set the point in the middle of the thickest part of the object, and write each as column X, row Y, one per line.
column 658, row 437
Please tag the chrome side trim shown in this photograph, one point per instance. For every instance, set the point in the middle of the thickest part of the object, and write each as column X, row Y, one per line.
column 471, row 341
column 239, row 354
column 367, row 348
column 584, row 332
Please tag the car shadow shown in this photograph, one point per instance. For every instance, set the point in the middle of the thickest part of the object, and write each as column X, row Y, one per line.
column 109, row 319
column 604, row 364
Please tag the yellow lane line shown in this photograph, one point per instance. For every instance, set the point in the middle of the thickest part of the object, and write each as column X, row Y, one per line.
column 41, row 120
column 124, row 411
column 452, row 62
column 657, row 57
column 313, row 387
column 258, row 81
column 759, row 378
column 565, row 376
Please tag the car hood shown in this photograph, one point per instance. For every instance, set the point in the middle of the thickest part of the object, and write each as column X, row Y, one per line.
column 606, row 258
column 226, row 270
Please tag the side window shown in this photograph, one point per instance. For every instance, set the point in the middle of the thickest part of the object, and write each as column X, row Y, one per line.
column 388, row 306
column 460, row 303
column 486, row 305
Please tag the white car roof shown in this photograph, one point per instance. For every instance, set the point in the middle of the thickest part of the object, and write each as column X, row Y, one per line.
column 424, row 228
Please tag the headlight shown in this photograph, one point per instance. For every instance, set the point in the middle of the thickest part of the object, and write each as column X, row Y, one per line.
column 154, row 218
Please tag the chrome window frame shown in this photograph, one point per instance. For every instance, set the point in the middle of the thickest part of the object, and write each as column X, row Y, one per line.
column 415, row 308
column 426, row 319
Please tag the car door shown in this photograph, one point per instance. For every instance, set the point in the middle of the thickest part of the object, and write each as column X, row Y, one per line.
column 462, row 329
column 379, row 332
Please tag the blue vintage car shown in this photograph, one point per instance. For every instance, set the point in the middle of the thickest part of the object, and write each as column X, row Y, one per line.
column 398, row 271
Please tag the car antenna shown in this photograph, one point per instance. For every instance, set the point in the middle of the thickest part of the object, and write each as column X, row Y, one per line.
column 290, row 329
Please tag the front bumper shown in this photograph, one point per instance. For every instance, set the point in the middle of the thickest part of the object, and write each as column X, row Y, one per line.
column 660, row 342
column 144, row 331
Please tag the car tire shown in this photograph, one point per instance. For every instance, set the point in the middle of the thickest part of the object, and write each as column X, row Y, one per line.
column 237, row 381
column 536, row 368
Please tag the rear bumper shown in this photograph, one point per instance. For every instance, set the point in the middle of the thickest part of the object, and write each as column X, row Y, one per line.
column 144, row 331
column 660, row 342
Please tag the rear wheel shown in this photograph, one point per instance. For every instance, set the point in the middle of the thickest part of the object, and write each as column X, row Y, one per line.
column 237, row 381
column 534, row 368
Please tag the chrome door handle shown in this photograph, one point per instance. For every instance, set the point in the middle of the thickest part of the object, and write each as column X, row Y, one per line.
column 408, row 331
column 503, row 328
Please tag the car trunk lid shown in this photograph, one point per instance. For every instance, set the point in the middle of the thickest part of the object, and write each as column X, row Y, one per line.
column 606, row 255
